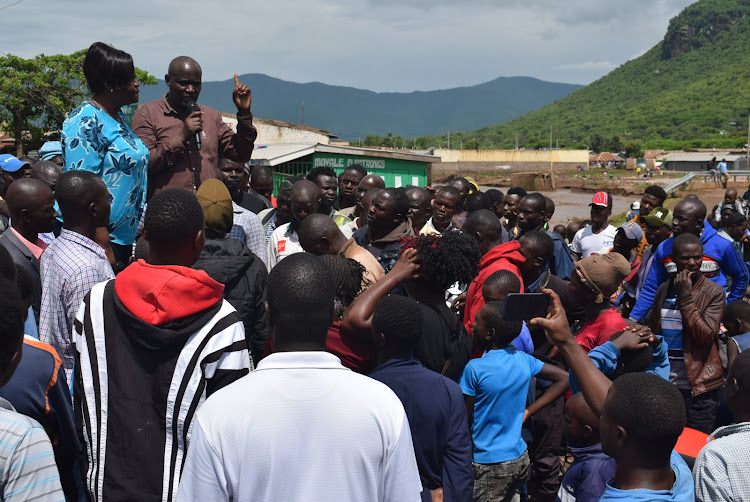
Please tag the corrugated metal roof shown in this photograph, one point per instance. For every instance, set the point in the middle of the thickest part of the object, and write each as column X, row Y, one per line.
column 273, row 155
column 701, row 156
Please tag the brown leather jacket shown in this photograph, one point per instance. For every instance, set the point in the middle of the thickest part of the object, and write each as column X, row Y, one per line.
column 701, row 315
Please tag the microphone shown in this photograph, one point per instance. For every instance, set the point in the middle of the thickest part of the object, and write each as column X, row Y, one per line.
column 192, row 107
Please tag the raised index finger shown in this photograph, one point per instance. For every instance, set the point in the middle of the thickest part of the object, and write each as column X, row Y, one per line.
column 236, row 80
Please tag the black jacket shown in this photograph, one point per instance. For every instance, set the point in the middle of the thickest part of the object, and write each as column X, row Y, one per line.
column 244, row 276
column 22, row 256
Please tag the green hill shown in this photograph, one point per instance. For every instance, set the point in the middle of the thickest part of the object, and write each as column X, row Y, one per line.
column 692, row 86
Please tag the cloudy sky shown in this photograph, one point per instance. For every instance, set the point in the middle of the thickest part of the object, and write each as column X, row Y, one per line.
column 382, row 45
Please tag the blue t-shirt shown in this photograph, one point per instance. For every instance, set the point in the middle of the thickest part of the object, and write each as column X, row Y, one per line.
column 722, row 167
column 93, row 141
column 523, row 341
column 683, row 489
column 499, row 382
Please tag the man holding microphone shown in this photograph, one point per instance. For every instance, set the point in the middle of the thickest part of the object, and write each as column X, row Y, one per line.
column 186, row 140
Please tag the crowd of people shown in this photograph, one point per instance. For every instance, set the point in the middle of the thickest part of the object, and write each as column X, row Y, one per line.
column 172, row 329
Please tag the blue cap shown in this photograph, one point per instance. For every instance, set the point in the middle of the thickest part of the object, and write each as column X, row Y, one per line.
column 50, row 150
column 10, row 164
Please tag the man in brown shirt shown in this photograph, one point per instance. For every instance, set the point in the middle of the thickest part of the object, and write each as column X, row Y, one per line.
column 169, row 131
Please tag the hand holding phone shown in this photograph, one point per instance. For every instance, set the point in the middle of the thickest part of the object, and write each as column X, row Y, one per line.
column 525, row 306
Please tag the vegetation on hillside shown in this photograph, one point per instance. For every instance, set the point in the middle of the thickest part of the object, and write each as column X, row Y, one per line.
column 690, row 90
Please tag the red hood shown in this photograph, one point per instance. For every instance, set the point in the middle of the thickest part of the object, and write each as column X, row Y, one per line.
column 509, row 251
column 164, row 293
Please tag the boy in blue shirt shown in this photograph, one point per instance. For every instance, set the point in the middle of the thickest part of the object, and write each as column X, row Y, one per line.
column 641, row 417
column 495, row 389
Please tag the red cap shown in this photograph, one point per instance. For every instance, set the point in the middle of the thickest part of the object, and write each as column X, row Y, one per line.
column 601, row 199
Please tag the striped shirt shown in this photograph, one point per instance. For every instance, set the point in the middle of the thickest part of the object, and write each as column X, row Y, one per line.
column 28, row 464
column 158, row 377
column 671, row 329
column 70, row 267
column 248, row 229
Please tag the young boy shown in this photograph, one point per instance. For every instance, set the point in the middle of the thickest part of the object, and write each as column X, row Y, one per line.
column 495, row 289
column 586, row 478
column 736, row 320
column 495, row 388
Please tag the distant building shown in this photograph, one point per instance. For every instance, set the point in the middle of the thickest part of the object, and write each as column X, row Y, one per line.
column 694, row 160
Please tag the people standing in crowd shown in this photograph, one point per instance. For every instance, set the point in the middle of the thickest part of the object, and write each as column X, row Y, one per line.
column 653, row 197
column 721, row 471
column 510, row 210
column 74, row 262
column 246, row 226
column 230, row 263
column 420, row 207
column 261, row 184
column 387, row 223
column 433, row 403
column 361, row 211
column 687, row 313
column 26, row 453
column 31, row 205
column 531, row 217
column 368, row 182
column 319, row 235
column 464, row 189
column 304, row 199
column 730, row 201
column 348, row 182
column 372, row 458
column 275, row 217
column 235, row 177
column 445, row 206
column 171, row 342
column 658, row 229
column 495, row 389
column 325, row 179
column 735, row 231
column 600, row 234
column 484, row 227
column 11, row 169
column 641, row 415
column 47, row 172
column 571, row 230
column 97, row 138
column 476, row 201
column 736, row 320
column 496, row 202
column 52, row 151
column 724, row 172
column 171, row 127
column 720, row 260
column 586, row 478
column 495, row 289
column 595, row 279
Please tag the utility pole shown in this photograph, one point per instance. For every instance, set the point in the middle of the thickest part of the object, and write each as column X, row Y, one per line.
column 550, row 138
column 516, row 141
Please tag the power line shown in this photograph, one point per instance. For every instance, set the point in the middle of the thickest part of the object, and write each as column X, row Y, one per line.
column 10, row 4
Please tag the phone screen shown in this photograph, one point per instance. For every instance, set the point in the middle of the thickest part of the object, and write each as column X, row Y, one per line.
column 525, row 306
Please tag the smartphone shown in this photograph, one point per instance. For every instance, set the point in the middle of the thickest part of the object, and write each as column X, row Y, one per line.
column 525, row 306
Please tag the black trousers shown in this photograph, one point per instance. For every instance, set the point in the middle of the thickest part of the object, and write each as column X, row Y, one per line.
column 545, row 456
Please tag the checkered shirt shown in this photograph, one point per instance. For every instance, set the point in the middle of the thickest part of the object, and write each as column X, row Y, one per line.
column 70, row 267
column 722, row 468
column 248, row 229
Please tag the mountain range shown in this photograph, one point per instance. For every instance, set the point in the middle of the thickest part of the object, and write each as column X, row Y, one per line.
column 691, row 89
column 352, row 113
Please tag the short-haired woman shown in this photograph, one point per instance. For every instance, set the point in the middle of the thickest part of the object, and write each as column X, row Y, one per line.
column 96, row 138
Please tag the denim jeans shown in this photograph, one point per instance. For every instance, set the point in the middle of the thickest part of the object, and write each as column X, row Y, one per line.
column 501, row 481
column 701, row 410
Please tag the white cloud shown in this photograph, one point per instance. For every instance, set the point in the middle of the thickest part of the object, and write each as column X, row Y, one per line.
column 383, row 45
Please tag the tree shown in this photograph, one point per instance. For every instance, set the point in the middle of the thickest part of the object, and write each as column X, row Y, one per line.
column 615, row 144
column 472, row 144
column 37, row 94
column 596, row 143
column 634, row 149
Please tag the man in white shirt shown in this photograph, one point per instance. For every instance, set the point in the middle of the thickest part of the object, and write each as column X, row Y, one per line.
column 301, row 427
column 305, row 200
column 600, row 234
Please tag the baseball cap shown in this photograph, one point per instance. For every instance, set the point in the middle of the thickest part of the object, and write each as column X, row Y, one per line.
column 659, row 216
column 10, row 164
column 216, row 201
column 635, row 205
column 601, row 199
column 50, row 150
column 632, row 230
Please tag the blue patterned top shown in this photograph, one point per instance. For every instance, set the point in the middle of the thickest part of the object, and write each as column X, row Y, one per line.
column 94, row 141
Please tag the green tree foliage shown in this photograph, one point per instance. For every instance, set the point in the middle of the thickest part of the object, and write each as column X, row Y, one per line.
column 596, row 143
column 634, row 149
column 472, row 144
column 37, row 94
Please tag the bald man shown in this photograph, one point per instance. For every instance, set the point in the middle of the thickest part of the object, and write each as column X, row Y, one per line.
column 720, row 260
column 31, row 205
column 305, row 201
column 170, row 128
column 730, row 201
column 319, row 235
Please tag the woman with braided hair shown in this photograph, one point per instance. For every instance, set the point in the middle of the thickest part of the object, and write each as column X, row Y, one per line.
column 427, row 267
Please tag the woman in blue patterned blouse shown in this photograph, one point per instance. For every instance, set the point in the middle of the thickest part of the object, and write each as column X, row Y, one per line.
column 96, row 138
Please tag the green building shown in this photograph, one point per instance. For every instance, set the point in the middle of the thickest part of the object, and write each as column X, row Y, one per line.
column 397, row 168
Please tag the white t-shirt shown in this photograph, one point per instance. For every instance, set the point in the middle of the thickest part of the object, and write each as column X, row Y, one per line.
column 282, row 245
column 301, row 427
column 586, row 242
